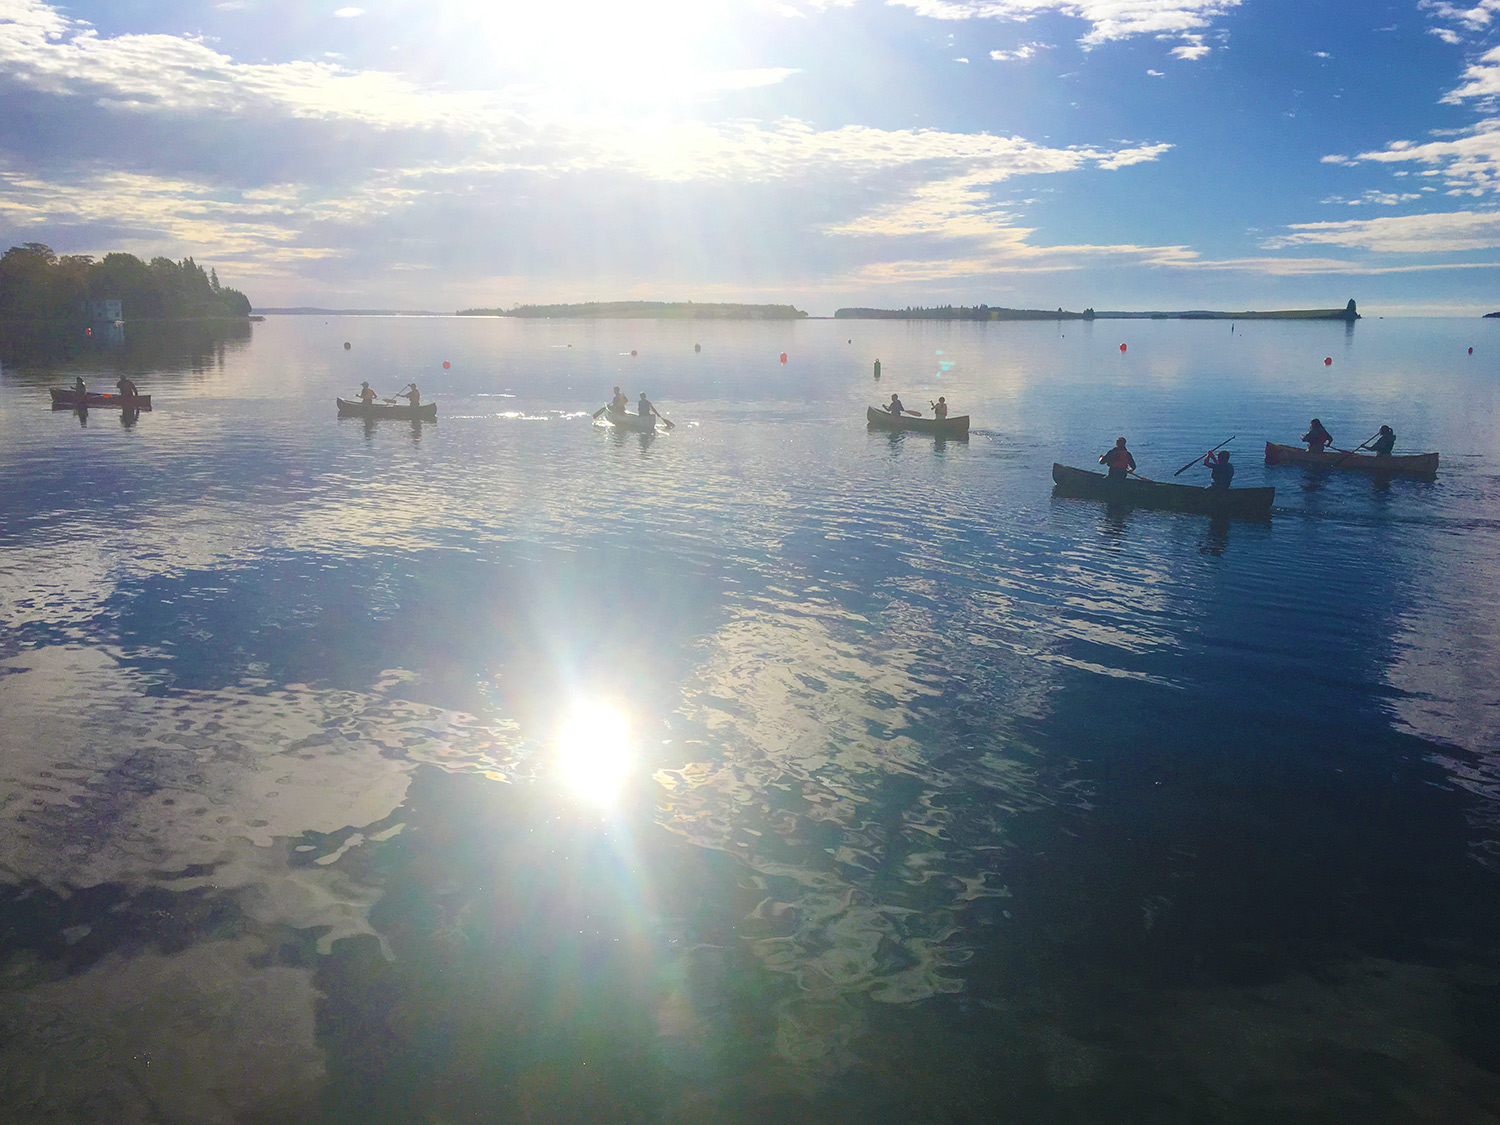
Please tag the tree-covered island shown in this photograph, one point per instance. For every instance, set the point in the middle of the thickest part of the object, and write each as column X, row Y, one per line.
column 36, row 285
column 648, row 310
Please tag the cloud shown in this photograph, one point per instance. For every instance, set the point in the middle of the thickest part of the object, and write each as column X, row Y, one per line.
column 1477, row 18
column 1108, row 20
column 1022, row 52
column 348, row 13
column 1452, row 232
column 1446, row 34
column 1483, row 79
column 1379, row 198
column 1467, row 160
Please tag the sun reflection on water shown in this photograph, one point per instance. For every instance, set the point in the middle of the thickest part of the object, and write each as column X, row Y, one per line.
column 594, row 756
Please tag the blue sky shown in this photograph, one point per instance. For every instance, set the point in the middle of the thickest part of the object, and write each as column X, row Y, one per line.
column 1124, row 154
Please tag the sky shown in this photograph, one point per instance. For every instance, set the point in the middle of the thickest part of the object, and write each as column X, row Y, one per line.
column 444, row 154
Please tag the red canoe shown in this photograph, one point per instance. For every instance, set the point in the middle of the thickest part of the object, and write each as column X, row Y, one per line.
column 67, row 398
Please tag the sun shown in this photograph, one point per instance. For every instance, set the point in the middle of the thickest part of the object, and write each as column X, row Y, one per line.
column 593, row 753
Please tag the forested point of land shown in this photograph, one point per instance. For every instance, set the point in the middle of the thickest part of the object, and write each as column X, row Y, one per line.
column 960, row 312
column 38, row 285
column 661, row 310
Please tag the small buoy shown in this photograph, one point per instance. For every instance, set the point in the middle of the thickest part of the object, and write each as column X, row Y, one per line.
column 783, row 357
column 634, row 352
column 1471, row 351
column 1328, row 361
column 877, row 369
column 697, row 347
column 446, row 365
column 346, row 345
column 1122, row 347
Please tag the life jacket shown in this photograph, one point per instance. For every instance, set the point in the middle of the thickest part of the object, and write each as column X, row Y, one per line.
column 1117, row 458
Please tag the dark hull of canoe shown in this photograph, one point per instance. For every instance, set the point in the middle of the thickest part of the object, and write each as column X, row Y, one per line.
column 621, row 420
column 957, row 427
column 427, row 412
column 65, row 398
column 1237, row 503
column 1409, row 465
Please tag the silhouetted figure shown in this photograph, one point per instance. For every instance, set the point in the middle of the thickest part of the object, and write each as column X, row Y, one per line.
column 126, row 387
column 1385, row 442
column 80, row 388
column 1118, row 460
column 940, row 408
column 1317, row 437
column 366, row 395
column 619, row 402
column 1221, row 472
column 896, row 409
column 411, row 395
column 644, row 407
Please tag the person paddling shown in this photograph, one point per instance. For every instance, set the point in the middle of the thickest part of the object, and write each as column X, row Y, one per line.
column 1118, row 460
column 1385, row 442
column 1221, row 472
column 619, row 402
column 366, row 394
column 896, row 409
column 411, row 395
column 1317, row 438
column 644, row 407
column 940, row 408
column 126, row 387
column 80, row 388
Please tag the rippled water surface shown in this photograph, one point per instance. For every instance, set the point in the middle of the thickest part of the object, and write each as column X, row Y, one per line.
column 511, row 768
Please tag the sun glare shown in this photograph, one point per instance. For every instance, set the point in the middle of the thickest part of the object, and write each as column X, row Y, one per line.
column 593, row 753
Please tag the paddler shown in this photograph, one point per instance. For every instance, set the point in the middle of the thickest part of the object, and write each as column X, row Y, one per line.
column 366, row 394
column 1118, row 460
column 895, row 407
column 1221, row 472
column 940, row 408
column 1317, row 437
column 1385, row 442
column 126, row 387
column 411, row 395
column 80, row 388
column 644, row 407
column 619, row 402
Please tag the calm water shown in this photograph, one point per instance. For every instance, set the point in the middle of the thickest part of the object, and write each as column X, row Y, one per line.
column 923, row 795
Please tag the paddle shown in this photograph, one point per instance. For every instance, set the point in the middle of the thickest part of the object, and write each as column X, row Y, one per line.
column 1138, row 476
column 600, row 411
column 1351, row 452
column 671, row 425
column 1200, row 457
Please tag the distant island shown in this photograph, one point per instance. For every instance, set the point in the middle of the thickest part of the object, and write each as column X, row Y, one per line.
column 309, row 310
column 657, row 310
column 37, row 286
column 987, row 312
column 1488, row 315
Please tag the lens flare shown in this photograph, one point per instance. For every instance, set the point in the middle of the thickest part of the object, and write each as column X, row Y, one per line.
column 593, row 752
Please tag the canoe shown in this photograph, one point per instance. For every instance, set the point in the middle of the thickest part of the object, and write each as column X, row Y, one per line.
column 427, row 412
column 623, row 420
column 954, row 427
column 1406, row 464
column 66, row 398
column 1239, row 503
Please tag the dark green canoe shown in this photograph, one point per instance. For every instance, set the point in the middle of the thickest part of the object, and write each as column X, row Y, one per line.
column 1238, row 503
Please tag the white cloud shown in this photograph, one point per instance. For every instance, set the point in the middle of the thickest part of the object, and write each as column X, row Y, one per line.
column 1379, row 198
column 1447, row 233
column 1477, row 18
column 1156, row 74
column 1321, row 55
column 1108, row 19
column 1468, row 160
column 348, row 13
column 1483, row 79
column 1022, row 52
column 1446, row 34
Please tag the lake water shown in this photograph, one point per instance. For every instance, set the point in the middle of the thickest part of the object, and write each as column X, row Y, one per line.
column 511, row 768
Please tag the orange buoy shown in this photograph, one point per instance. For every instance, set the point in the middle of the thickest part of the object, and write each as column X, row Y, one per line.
column 1328, row 361
column 446, row 365
column 783, row 357
column 1122, row 347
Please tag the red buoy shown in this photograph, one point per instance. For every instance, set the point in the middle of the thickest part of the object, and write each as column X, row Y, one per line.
column 1122, row 347
column 633, row 351
column 446, row 365
column 783, row 357
column 1471, row 351
column 1328, row 361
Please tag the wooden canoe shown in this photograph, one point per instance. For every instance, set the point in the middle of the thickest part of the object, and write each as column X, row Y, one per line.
column 348, row 408
column 1406, row 464
column 1238, row 503
column 66, row 398
column 953, row 427
column 624, row 420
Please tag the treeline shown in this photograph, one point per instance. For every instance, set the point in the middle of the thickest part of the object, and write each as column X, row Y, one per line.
column 661, row 310
column 37, row 284
column 960, row 312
